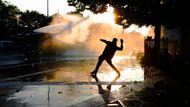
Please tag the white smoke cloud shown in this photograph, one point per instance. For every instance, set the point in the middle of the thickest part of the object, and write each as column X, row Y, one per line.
column 76, row 30
column 69, row 29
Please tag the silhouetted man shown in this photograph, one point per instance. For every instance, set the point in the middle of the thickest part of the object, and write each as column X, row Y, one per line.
column 108, row 53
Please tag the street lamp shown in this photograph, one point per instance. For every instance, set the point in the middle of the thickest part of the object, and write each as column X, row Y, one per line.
column 47, row 8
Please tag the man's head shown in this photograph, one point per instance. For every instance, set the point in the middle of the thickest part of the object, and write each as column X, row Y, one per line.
column 114, row 40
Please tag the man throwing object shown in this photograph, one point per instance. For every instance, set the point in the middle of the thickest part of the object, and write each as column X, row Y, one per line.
column 108, row 53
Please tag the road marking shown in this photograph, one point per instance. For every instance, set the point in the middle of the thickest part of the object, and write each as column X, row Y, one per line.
column 37, row 73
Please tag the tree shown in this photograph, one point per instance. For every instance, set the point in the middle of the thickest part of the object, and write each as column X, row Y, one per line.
column 9, row 17
column 13, row 21
column 140, row 12
column 32, row 19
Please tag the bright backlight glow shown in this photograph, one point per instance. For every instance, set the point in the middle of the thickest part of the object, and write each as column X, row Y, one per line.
column 142, row 30
column 106, row 17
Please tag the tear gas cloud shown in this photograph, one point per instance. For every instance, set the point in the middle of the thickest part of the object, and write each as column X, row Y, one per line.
column 74, row 31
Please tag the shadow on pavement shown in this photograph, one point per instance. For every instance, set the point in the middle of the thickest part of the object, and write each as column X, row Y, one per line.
column 106, row 94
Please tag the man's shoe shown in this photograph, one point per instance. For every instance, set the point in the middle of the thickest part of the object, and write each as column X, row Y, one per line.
column 109, row 87
column 92, row 74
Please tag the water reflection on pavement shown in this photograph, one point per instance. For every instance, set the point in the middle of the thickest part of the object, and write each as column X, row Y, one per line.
column 73, row 73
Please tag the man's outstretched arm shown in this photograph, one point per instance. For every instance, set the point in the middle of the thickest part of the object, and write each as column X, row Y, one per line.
column 103, row 40
column 121, row 47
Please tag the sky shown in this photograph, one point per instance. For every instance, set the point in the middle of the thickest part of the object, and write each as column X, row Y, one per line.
column 55, row 6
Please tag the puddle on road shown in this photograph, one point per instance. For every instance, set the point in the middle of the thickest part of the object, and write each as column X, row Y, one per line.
column 73, row 72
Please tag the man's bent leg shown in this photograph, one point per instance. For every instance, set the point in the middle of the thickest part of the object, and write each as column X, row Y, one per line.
column 115, row 69
column 100, row 60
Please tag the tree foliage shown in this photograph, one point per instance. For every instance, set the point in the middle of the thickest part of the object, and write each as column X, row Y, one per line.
column 32, row 19
column 13, row 20
column 141, row 12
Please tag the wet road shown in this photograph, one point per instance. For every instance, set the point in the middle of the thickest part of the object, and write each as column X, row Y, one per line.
column 65, row 82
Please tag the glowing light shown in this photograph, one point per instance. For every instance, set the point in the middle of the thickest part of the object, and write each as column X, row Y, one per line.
column 107, row 17
column 143, row 30
column 117, row 59
column 132, row 74
column 127, row 75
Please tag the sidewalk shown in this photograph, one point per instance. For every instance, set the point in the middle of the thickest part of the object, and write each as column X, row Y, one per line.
column 62, row 96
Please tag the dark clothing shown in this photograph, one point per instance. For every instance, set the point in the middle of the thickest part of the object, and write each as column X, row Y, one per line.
column 110, row 49
column 108, row 53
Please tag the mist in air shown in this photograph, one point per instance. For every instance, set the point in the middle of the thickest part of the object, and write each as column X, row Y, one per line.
column 79, row 35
